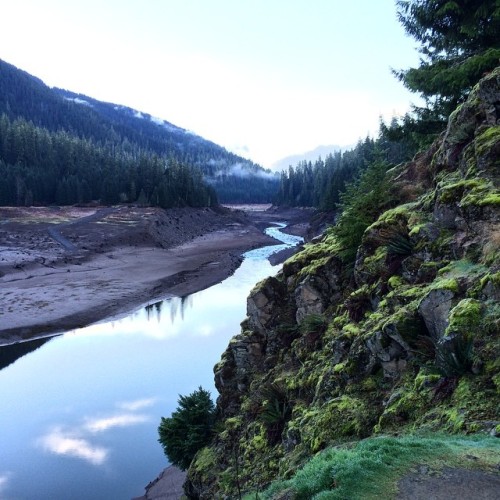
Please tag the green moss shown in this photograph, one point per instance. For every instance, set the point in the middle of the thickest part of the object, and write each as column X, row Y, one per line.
column 405, row 405
column 441, row 245
column 204, row 467
column 395, row 282
column 481, row 195
column 313, row 266
column 415, row 230
column 465, row 317
column 455, row 419
column 453, row 192
column 394, row 215
column 205, row 460
column 309, row 259
column 496, row 380
column 375, row 263
column 351, row 330
column 336, row 419
column 445, row 284
column 258, row 443
column 378, row 256
column 233, row 423
column 339, row 367
column 424, row 380
column 340, row 320
column 369, row 384
column 486, row 141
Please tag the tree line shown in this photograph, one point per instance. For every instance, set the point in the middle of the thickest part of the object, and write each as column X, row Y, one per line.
column 321, row 184
column 39, row 167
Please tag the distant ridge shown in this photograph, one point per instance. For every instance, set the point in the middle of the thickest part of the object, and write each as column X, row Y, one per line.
column 313, row 155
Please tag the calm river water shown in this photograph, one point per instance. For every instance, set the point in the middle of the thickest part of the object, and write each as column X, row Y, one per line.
column 79, row 415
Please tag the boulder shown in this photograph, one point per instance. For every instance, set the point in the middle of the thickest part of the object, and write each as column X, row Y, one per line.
column 435, row 308
column 309, row 298
column 264, row 304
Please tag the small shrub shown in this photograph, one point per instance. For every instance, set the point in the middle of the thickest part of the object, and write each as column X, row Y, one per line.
column 276, row 411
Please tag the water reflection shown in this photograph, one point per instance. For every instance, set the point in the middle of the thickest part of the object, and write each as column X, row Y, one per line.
column 176, row 304
column 12, row 352
column 211, row 305
column 60, row 442
column 155, row 306
column 80, row 415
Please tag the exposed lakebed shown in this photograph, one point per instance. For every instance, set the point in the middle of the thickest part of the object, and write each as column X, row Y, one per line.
column 80, row 413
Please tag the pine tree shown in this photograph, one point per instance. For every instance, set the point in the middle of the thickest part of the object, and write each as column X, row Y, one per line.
column 188, row 429
column 361, row 203
column 459, row 42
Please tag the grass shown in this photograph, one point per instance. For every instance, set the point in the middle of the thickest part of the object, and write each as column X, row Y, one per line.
column 370, row 469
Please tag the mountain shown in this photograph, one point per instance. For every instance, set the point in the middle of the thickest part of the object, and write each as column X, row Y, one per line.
column 309, row 156
column 234, row 178
column 397, row 337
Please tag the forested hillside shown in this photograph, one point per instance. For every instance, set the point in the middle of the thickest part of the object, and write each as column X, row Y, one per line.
column 60, row 147
column 321, row 184
column 459, row 44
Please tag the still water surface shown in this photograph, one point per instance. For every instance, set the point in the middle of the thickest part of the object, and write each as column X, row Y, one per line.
column 79, row 415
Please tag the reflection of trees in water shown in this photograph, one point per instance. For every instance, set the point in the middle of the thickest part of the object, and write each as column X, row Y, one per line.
column 186, row 302
column 12, row 352
column 155, row 306
column 175, row 306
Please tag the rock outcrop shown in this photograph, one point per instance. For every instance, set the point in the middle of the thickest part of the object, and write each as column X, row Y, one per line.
column 410, row 342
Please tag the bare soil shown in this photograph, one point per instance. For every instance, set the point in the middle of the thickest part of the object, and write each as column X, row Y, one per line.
column 62, row 268
column 167, row 486
column 450, row 483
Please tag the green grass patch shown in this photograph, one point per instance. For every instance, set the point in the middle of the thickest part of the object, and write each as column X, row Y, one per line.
column 370, row 469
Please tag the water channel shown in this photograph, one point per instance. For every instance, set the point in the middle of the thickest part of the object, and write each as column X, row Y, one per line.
column 79, row 414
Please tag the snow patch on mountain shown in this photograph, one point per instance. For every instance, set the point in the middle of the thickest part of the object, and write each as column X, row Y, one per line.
column 77, row 100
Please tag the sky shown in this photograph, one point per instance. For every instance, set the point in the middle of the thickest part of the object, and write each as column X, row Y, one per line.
column 264, row 78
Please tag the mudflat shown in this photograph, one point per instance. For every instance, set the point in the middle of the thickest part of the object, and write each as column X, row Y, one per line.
column 62, row 268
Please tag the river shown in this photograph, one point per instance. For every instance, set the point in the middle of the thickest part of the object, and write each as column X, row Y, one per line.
column 80, row 412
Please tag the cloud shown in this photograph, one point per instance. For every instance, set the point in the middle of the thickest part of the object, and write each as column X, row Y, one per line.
column 137, row 404
column 74, row 442
column 66, row 444
column 244, row 171
column 123, row 420
column 4, row 479
column 206, row 330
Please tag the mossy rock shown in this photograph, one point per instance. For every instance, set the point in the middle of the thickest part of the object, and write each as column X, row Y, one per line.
column 465, row 318
column 487, row 145
column 342, row 417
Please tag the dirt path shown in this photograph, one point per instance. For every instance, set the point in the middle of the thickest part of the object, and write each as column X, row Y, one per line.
column 450, row 483
column 55, row 232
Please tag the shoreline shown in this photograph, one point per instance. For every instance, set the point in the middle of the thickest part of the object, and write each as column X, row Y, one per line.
column 63, row 268
column 116, row 283
column 39, row 300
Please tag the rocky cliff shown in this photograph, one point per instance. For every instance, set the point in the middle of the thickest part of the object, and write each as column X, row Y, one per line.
column 407, row 341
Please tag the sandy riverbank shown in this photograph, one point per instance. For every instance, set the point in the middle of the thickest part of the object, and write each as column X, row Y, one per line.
column 109, row 262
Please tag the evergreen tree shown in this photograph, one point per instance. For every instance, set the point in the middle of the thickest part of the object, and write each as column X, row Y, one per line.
column 188, row 429
column 361, row 204
column 459, row 42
